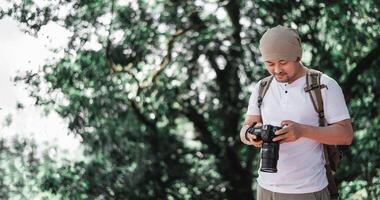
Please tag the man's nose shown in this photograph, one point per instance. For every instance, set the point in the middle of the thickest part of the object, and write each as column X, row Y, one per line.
column 277, row 68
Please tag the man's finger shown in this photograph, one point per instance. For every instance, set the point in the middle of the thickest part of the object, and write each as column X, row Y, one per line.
column 252, row 137
column 278, row 138
column 254, row 142
column 259, row 124
column 285, row 122
column 281, row 131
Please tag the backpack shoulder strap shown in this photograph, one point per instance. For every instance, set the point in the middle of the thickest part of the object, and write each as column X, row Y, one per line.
column 330, row 152
column 313, row 87
column 264, row 85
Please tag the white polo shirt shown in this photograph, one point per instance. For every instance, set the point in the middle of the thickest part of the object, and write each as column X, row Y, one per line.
column 301, row 164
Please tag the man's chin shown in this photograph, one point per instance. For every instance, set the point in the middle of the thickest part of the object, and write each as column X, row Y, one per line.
column 281, row 79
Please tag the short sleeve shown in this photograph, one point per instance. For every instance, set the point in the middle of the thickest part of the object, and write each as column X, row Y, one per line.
column 334, row 104
column 253, row 108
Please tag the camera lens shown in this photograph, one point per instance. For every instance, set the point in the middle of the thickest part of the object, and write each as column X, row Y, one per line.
column 269, row 157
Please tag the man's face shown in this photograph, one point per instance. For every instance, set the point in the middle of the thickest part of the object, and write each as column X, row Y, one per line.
column 283, row 70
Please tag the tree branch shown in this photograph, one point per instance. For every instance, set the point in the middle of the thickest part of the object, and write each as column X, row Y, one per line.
column 167, row 59
column 233, row 10
column 201, row 125
column 153, row 140
column 363, row 64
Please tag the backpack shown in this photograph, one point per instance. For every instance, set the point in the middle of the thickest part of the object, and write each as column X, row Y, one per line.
column 331, row 153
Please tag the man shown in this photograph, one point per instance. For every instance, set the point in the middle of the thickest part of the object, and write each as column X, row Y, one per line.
column 301, row 173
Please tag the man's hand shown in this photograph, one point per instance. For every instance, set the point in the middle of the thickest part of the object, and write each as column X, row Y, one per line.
column 291, row 132
column 251, row 139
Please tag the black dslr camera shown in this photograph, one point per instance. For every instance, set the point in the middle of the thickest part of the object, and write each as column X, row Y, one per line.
column 269, row 149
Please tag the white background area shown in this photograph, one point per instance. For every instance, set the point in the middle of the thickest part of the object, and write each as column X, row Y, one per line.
column 21, row 52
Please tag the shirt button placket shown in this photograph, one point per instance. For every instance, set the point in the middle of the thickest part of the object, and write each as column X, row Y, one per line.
column 286, row 96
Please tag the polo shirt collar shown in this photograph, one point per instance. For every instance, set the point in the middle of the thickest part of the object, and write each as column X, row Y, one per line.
column 299, row 82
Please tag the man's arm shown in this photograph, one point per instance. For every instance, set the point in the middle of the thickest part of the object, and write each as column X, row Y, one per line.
column 249, row 120
column 339, row 133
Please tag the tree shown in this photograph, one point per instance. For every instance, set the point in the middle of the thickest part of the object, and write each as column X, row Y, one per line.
column 23, row 165
column 159, row 105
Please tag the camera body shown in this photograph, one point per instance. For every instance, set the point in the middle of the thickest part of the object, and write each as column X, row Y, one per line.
column 269, row 149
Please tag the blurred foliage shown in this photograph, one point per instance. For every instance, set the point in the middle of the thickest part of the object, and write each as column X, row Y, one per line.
column 22, row 166
column 159, row 105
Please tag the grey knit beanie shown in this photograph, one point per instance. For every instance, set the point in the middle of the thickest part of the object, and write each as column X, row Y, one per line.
column 280, row 43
